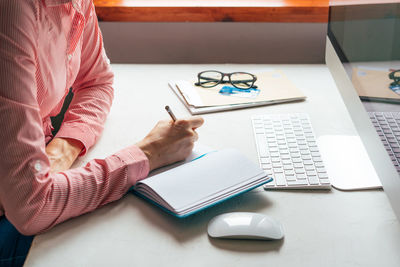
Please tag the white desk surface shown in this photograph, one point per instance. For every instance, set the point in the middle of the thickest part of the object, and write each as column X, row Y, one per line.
column 322, row 228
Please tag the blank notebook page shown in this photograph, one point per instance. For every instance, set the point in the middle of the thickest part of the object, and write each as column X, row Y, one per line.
column 203, row 178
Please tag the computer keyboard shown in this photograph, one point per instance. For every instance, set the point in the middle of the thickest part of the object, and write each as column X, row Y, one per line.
column 387, row 124
column 288, row 152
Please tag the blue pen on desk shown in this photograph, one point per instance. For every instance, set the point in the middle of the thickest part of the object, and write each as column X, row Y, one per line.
column 168, row 109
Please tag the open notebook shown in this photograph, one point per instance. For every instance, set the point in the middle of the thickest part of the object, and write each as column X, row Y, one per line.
column 202, row 182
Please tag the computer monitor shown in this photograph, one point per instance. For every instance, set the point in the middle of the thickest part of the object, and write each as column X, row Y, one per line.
column 363, row 49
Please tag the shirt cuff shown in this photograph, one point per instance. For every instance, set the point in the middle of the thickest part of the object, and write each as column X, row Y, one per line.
column 81, row 134
column 137, row 163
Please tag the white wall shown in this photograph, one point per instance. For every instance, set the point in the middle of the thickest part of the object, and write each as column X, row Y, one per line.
column 225, row 42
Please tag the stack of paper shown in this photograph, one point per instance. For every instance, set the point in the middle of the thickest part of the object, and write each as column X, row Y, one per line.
column 274, row 87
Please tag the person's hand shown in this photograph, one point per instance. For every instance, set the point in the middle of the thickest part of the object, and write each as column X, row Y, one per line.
column 170, row 141
column 62, row 153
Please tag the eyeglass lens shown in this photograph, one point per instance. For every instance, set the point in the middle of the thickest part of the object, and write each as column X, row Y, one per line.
column 242, row 80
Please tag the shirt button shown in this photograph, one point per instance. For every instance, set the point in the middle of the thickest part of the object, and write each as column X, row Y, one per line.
column 38, row 166
column 69, row 56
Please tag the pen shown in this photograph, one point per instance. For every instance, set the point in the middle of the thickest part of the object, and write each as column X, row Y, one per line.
column 168, row 109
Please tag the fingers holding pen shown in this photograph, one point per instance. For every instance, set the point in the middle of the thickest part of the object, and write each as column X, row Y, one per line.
column 184, row 128
column 188, row 125
column 192, row 122
column 170, row 141
column 196, row 122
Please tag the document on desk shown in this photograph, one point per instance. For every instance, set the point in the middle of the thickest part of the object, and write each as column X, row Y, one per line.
column 274, row 87
column 202, row 182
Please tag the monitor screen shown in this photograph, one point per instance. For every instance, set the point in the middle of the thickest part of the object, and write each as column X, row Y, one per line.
column 365, row 38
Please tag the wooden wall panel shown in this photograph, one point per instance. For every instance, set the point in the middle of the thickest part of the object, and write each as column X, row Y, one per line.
column 213, row 11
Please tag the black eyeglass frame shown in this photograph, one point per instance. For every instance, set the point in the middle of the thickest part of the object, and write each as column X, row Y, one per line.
column 223, row 75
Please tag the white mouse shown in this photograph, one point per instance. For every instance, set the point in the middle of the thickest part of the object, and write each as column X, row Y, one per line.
column 245, row 225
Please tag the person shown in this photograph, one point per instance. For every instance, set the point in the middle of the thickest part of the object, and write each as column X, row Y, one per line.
column 47, row 47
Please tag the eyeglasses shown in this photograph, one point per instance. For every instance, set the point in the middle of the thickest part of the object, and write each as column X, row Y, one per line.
column 395, row 75
column 240, row 80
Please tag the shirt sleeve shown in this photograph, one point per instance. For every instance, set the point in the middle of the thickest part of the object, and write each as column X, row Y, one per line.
column 34, row 199
column 93, row 89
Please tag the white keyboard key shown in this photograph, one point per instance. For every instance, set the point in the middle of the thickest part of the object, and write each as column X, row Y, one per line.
column 269, row 173
column 279, row 179
column 319, row 164
column 286, row 156
column 292, row 145
column 287, row 167
column 313, row 179
column 308, row 162
column 301, row 176
column 286, row 162
column 289, row 172
column 315, row 154
column 290, row 178
column 266, row 166
column 312, row 144
column 274, row 155
column 259, row 131
column 311, row 173
column 265, row 160
column 277, row 165
column 298, row 182
column 317, row 159
column 296, row 160
column 262, row 145
column 309, row 167
column 324, row 181
column 297, row 165
column 303, row 147
column 323, row 175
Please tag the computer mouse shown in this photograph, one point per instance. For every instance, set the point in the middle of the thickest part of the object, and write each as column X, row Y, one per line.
column 245, row 225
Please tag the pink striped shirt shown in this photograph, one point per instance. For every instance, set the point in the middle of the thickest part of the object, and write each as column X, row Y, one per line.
column 47, row 47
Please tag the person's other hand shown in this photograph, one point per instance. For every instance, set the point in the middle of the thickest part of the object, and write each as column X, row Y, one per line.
column 169, row 141
column 62, row 153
